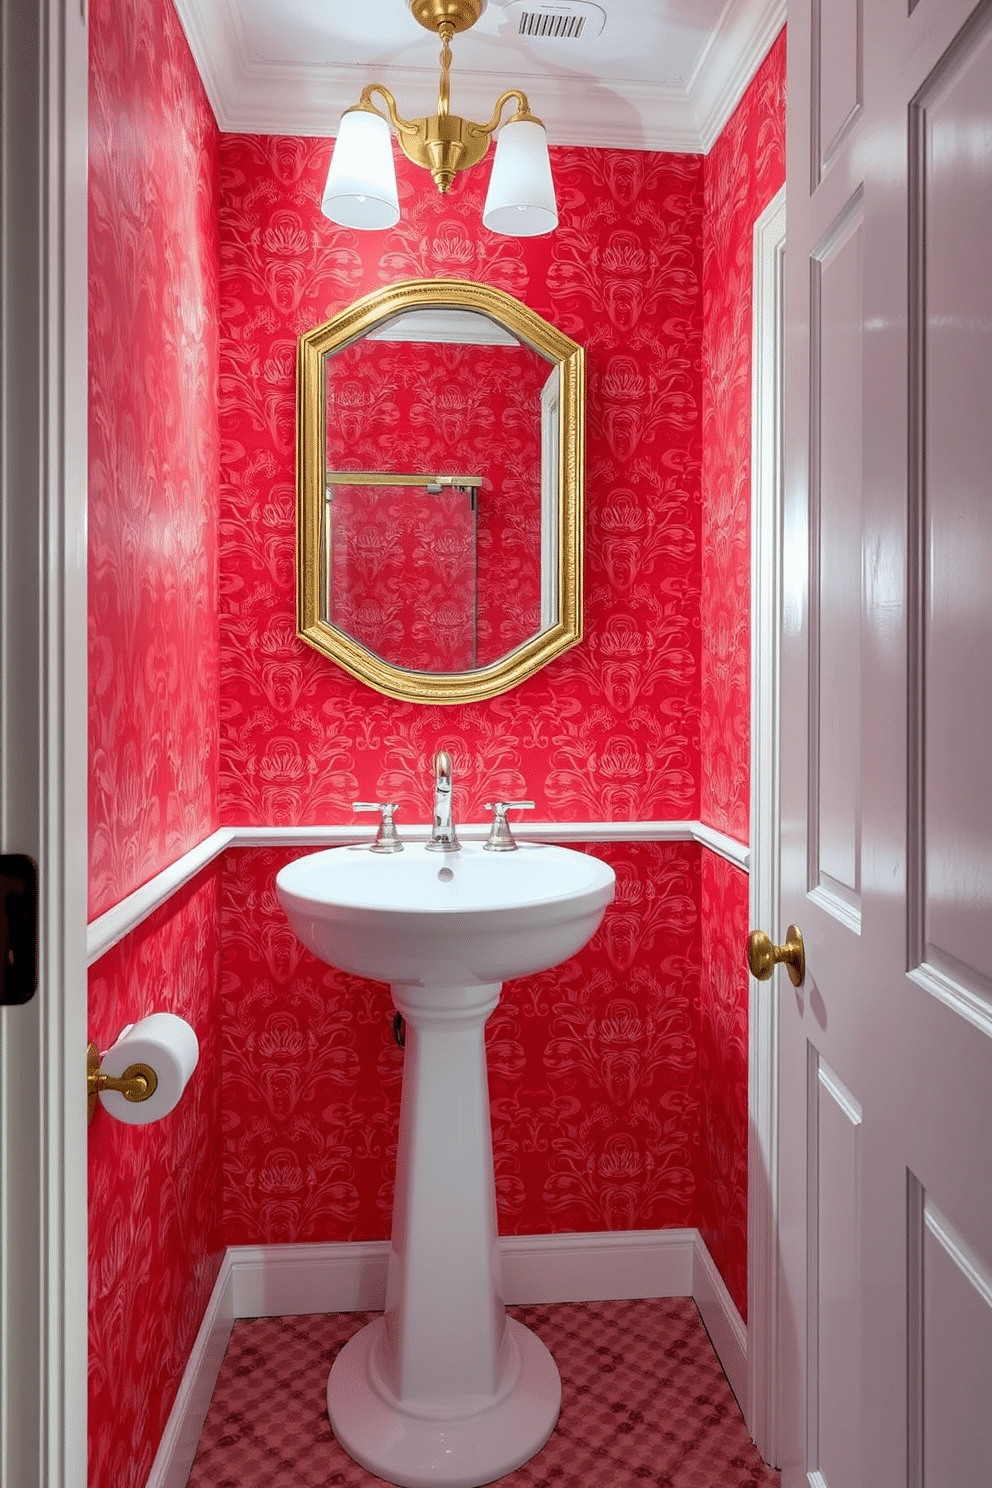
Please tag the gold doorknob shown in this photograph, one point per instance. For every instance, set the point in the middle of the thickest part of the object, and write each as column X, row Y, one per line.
column 763, row 956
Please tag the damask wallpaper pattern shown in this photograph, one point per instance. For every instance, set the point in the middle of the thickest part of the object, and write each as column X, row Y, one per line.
column 608, row 731
column 742, row 172
column 608, row 1075
column 155, row 1239
column 723, row 1066
column 593, row 1070
column 155, row 1214
column 153, row 449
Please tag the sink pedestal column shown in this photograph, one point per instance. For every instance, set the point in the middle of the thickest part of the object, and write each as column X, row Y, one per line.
column 445, row 1389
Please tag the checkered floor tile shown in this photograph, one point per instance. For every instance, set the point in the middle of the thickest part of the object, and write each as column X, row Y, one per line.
column 645, row 1404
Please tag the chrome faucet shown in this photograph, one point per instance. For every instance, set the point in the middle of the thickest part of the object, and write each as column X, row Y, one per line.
column 443, row 836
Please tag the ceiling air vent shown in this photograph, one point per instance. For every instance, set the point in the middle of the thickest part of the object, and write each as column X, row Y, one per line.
column 550, row 23
column 546, row 20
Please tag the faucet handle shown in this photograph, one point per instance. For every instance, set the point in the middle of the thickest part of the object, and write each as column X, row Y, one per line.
column 500, row 837
column 386, row 840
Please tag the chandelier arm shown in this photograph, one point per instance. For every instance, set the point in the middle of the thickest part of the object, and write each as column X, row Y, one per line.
column 523, row 112
column 401, row 125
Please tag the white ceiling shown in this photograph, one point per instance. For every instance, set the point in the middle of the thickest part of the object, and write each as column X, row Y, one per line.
column 661, row 75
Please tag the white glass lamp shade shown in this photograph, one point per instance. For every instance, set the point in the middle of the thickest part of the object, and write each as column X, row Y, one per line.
column 521, row 198
column 361, row 183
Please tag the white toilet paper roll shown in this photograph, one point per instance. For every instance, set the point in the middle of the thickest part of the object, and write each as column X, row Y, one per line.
column 169, row 1046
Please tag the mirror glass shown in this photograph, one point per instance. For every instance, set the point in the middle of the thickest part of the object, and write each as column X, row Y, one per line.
column 439, row 536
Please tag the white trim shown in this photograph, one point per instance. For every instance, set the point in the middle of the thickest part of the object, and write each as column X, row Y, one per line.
column 282, row 1280
column 724, row 1324
column 603, row 1266
column 766, row 612
column 43, row 762
column 125, row 916
column 725, row 847
column 109, row 928
column 738, row 47
column 251, row 95
column 181, row 1436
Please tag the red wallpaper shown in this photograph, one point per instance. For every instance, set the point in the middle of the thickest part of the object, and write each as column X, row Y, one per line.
column 608, row 1074
column 608, row 731
column 154, row 1244
column 155, row 1194
column 153, row 449
column 405, row 563
column 723, row 1059
column 593, row 1070
column 744, row 169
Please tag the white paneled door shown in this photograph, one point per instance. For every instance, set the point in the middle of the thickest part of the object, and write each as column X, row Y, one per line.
column 886, row 1049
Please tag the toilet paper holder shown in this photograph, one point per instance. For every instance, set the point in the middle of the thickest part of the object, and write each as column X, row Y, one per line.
column 137, row 1083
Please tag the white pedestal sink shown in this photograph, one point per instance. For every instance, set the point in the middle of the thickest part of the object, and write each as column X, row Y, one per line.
column 444, row 1389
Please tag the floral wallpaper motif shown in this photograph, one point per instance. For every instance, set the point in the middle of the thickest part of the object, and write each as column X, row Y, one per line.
column 611, row 729
column 593, row 1070
column 606, row 1074
column 153, row 449
column 155, row 1197
column 742, row 172
column 154, row 1238
column 427, row 581
column 723, row 1071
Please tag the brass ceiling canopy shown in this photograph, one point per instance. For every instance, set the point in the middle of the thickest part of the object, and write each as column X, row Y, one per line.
column 458, row 14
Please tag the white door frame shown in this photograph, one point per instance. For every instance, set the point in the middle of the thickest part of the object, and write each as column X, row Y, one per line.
column 768, row 310
column 43, row 712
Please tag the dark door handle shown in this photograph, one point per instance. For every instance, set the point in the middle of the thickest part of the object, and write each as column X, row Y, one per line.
column 18, row 928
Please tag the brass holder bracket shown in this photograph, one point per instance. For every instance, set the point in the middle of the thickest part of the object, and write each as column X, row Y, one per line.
column 137, row 1083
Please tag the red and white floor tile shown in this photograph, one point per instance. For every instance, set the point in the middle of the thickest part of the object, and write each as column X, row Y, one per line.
column 645, row 1404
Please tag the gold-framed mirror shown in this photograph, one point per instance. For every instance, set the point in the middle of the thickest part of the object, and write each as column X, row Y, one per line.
column 440, row 490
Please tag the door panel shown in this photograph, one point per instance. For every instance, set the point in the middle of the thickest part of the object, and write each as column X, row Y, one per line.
column 951, row 1318
column 834, row 1345
column 952, row 219
column 886, row 1050
column 837, row 77
column 836, row 280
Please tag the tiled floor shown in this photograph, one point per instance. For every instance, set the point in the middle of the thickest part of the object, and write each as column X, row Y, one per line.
column 644, row 1402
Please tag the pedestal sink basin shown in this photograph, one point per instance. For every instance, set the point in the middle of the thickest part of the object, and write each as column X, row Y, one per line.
column 444, row 1389
column 464, row 917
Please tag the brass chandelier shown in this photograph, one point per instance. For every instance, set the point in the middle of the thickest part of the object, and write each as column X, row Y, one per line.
column 361, row 183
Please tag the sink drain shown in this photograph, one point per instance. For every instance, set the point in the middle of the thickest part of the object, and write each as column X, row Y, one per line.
column 445, row 874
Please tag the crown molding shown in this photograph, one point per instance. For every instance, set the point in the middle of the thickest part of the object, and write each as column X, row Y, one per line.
column 736, row 51
column 250, row 96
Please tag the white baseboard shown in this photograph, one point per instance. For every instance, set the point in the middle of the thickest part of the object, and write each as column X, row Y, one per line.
column 181, row 1436
column 280, row 1280
column 724, row 1324
column 603, row 1266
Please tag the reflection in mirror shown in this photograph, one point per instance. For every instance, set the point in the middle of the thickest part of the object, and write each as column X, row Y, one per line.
column 431, row 533
column 438, row 571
